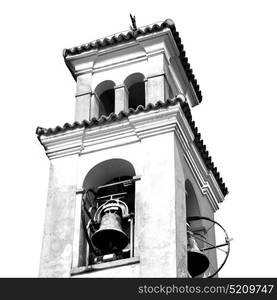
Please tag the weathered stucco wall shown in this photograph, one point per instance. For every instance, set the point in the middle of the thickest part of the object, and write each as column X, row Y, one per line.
column 180, row 200
column 156, row 226
column 151, row 144
column 183, row 173
column 56, row 254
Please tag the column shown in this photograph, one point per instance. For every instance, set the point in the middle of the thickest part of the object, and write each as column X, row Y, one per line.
column 79, row 242
column 94, row 106
column 156, row 81
column 83, row 95
column 121, row 98
column 82, row 108
column 156, row 87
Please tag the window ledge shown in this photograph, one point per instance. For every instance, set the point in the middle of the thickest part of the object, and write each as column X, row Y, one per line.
column 106, row 265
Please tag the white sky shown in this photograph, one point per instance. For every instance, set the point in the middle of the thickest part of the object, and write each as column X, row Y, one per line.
column 232, row 48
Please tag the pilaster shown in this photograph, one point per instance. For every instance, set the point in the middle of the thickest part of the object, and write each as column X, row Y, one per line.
column 156, row 89
column 82, row 108
column 94, row 106
column 83, row 95
column 121, row 98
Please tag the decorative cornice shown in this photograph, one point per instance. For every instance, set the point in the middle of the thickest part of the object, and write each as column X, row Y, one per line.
column 131, row 127
column 203, row 176
column 131, row 36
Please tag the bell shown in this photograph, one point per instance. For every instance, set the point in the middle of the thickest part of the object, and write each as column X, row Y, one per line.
column 198, row 262
column 110, row 237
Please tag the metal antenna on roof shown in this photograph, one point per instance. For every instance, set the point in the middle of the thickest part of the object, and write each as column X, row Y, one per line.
column 133, row 27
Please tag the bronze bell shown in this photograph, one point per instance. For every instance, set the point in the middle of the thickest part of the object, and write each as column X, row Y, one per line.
column 198, row 262
column 110, row 237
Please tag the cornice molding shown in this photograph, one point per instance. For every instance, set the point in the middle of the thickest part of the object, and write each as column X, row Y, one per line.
column 87, row 62
column 204, row 177
column 134, row 129
column 124, row 39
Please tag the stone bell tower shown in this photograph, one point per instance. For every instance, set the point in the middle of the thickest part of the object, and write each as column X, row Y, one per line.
column 126, row 175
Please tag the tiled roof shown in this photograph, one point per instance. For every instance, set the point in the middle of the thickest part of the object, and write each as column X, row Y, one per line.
column 116, row 117
column 132, row 35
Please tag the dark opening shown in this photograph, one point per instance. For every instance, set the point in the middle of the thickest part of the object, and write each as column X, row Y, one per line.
column 106, row 106
column 137, row 95
column 111, row 179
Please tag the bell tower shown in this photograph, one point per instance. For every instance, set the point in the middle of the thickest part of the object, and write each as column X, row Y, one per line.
column 130, row 177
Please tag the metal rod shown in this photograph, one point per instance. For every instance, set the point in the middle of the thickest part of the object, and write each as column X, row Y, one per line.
column 210, row 248
column 111, row 196
column 208, row 243
column 131, row 236
column 135, row 178
column 80, row 191
column 83, row 191
column 202, row 236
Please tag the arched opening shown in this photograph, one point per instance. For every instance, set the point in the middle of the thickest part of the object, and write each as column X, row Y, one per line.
column 197, row 260
column 108, row 211
column 136, row 89
column 111, row 171
column 106, row 95
column 192, row 205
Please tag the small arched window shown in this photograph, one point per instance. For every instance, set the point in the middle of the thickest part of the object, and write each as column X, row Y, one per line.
column 136, row 88
column 105, row 94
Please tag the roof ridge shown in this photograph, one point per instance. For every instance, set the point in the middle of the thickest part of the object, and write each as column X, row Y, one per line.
column 118, row 37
